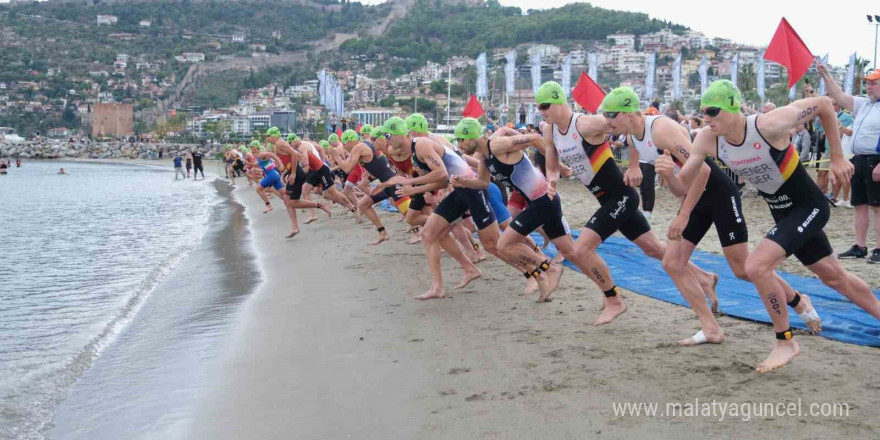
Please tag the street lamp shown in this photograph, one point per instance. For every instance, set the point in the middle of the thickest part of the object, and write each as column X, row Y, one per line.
column 876, row 20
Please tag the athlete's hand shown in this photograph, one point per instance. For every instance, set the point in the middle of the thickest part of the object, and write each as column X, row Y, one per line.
column 395, row 180
column 457, row 182
column 822, row 69
column 676, row 227
column 664, row 165
column 405, row 191
column 632, row 177
column 875, row 175
column 565, row 170
column 379, row 188
column 842, row 170
column 551, row 188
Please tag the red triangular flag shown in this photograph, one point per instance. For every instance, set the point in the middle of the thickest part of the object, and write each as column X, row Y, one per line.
column 339, row 132
column 786, row 48
column 587, row 93
column 473, row 109
column 359, row 128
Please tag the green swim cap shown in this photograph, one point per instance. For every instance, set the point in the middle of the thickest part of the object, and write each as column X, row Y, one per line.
column 228, row 147
column 550, row 93
column 349, row 136
column 416, row 122
column 333, row 138
column 324, row 144
column 468, row 128
column 622, row 100
column 366, row 129
column 450, row 138
column 273, row 131
column 724, row 95
column 255, row 143
column 377, row 132
column 396, row 126
column 292, row 137
column 245, row 149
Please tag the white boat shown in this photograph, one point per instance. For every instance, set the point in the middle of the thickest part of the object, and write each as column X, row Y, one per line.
column 8, row 134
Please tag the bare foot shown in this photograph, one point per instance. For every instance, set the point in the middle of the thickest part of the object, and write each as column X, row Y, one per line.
column 712, row 337
column 555, row 273
column 612, row 309
column 268, row 209
column 415, row 239
column 709, row 286
column 292, row 234
column 311, row 219
column 531, row 286
column 808, row 314
column 783, row 352
column 432, row 294
column 382, row 237
column 468, row 277
column 326, row 209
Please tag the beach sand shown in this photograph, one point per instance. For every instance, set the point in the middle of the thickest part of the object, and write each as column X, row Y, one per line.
column 332, row 346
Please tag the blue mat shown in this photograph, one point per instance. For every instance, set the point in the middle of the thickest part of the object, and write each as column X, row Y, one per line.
column 632, row 270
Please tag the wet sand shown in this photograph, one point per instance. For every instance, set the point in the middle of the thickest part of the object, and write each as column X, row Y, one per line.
column 332, row 346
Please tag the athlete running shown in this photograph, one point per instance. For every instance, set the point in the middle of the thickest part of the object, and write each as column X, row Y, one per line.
column 714, row 199
column 581, row 142
column 758, row 149
column 365, row 154
column 438, row 163
column 318, row 174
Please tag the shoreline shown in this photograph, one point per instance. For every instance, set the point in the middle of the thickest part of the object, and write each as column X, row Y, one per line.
column 332, row 345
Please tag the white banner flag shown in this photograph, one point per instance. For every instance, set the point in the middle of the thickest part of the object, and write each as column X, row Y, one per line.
column 822, row 80
column 482, row 79
column 510, row 72
column 676, row 78
column 734, row 69
column 322, row 86
column 760, row 76
column 850, row 75
column 566, row 75
column 791, row 92
column 650, row 73
column 704, row 75
column 340, row 101
column 594, row 66
column 536, row 72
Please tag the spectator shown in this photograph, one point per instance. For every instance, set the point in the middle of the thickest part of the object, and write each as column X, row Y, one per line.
column 800, row 138
column 522, row 113
column 344, row 123
column 197, row 165
column 189, row 162
column 333, row 123
column 504, row 115
column 178, row 168
column 866, row 148
column 696, row 126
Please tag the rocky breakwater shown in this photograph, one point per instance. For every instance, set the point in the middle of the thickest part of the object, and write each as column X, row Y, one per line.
column 57, row 149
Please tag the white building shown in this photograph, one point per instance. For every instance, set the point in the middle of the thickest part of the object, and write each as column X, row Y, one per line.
column 373, row 117
column 145, row 23
column 190, row 57
column 241, row 125
column 548, row 51
column 107, row 19
column 238, row 38
column 122, row 57
column 627, row 40
column 578, row 57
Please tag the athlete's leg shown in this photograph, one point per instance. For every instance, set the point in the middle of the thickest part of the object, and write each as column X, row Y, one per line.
column 675, row 263
column 655, row 248
column 584, row 251
column 366, row 207
column 524, row 258
column 836, row 277
column 435, row 229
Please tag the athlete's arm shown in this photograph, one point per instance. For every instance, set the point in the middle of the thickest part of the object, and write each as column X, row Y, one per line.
column 473, row 163
column 633, row 174
column 775, row 127
column 551, row 161
column 505, row 131
column 510, row 144
column 480, row 182
column 426, row 153
column 834, row 91
column 348, row 164
column 303, row 150
column 671, row 137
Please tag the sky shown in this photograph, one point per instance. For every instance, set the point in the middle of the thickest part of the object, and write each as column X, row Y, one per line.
column 837, row 28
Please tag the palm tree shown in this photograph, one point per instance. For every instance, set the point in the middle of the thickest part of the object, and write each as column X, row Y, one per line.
column 861, row 69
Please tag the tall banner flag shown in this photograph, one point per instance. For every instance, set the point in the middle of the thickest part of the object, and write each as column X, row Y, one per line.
column 587, row 93
column 340, row 100
column 650, row 73
column 322, row 86
column 536, row 72
column 704, row 75
column 566, row 74
column 821, row 79
column 676, row 78
column 593, row 60
column 482, row 78
column 791, row 92
column 788, row 49
column 734, row 69
column 850, row 75
column 510, row 72
column 760, row 77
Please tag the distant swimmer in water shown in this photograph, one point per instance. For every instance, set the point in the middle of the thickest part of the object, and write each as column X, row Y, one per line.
column 61, row 171
column 3, row 166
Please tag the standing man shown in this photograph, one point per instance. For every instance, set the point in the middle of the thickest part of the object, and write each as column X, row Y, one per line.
column 866, row 148
column 178, row 168
column 197, row 164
